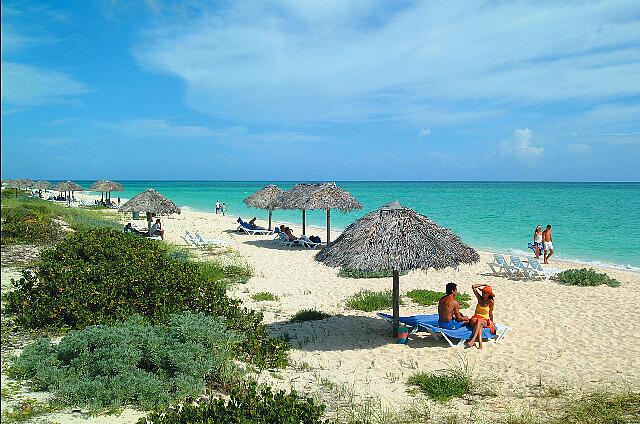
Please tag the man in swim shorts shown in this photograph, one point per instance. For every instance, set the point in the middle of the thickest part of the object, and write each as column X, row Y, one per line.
column 547, row 241
column 449, row 315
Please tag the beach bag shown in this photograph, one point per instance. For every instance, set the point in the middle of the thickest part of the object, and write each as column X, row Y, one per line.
column 403, row 334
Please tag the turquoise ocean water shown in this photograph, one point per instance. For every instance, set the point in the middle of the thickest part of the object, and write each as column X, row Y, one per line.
column 594, row 222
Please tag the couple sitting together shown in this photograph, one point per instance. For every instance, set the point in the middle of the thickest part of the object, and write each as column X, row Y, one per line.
column 287, row 232
column 450, row 318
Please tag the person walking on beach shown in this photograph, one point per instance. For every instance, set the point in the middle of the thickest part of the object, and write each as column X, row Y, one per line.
column 547, row 240
column 537, row 241
column 449, row 315
column 217, row 207
column 223, row 208
column 483, row 317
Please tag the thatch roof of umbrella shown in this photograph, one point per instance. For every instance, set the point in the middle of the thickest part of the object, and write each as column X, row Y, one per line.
column 105, row 185
column 264, row 198
column 151, row 202
column 68, row 186
column 317, row 196
column 21, row 183
column 398, row 239
column 41, row 185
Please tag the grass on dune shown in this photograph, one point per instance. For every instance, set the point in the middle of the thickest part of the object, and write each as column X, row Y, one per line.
column 603, row 407
column 308, row 315
column 264, row 297
column 429, row 298
column 369, row 301
column 446, row 384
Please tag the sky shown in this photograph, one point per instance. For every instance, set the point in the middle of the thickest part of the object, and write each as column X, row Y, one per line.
column 333, row 90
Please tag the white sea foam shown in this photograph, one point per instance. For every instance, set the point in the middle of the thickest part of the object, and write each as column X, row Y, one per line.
column 590, row 263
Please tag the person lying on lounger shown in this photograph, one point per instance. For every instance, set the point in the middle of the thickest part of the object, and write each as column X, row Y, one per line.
column 449, row 315
column 483, row 317
column 289, row 234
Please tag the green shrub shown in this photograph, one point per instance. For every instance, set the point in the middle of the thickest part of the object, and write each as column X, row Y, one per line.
column 369, row 301
column 264, row 296
column 585, row 277
column 228, row 269
column 131, row 362
column 354, row 273
column 28, row 224
column 444, row 384
column 248, row 404
column 102, row 276
column 308, row 315
column 428, row 297
column 603, row 408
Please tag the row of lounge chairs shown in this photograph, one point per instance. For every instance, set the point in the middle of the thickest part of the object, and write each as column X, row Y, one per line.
column 196, row 240
column 283, row 240
column 518, row 269
column 455, row 338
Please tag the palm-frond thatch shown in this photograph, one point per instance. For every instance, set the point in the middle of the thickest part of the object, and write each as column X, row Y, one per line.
column 326, row 196
column 397, row 239
column 150, row 201
column 105, row 185
column 20, row 183
column 68, row 186
column 264, row 198
column 41, row 185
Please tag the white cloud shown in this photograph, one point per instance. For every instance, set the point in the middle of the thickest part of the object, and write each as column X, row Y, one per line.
column 424, row 132
column 353, row 61
column 160, row 128
column 26, row 85
column 520, row 146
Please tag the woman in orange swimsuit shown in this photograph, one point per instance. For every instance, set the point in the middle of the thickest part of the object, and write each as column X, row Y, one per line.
column 483, row 317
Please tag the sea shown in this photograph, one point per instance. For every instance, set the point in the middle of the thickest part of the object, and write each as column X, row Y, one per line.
column 594, row 223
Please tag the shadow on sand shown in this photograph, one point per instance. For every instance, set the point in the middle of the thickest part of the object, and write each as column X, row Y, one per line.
column 267, row 243
column 345, row 332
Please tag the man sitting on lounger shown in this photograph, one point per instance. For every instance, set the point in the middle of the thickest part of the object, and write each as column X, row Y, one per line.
column 156, row 229
column 449, row 315
column 289, row 234
column 253, row 226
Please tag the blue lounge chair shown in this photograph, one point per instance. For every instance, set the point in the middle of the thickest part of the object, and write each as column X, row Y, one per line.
column 429, row 323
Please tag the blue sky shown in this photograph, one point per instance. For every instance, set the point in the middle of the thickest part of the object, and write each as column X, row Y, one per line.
column 335, row 90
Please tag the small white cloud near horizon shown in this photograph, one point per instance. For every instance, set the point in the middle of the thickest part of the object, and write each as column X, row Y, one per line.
column 163, row 129
column 520, row 146
column 424, row 132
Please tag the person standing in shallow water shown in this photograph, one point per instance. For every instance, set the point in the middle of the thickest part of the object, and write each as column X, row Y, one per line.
column 217, row 207
column 547, row 241
column 223, row 208
column 537, row 241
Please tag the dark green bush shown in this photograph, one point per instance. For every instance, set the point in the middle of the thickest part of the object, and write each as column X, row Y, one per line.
column 264, row 297
column 132, row 362
column 354, row 273
column 585, row 277
column 247, row 404
column 102, row 276
column 369, row 301
column 428, row 297
column 28, row 224
column 442, row 385
column 308, row 315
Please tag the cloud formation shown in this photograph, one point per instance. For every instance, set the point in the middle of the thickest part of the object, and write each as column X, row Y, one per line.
column 354, row 61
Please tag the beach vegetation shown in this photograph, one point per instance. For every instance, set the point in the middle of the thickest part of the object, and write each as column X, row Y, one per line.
column 354, row 273
column 429, row 298
column 602, row 407
column 131, row 362
column 27, row 409
column 369, row 301
column 248, row 403
column 102, row 276
column 585, row 277
column 226, row 268
column 308, row 315
column 443, row 385
column 264, row 297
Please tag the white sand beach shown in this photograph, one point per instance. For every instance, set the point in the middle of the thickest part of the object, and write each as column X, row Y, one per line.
column 574, row 339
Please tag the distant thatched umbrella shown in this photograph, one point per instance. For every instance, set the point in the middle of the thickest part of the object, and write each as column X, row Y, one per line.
column 20, row 184
column 41, row 185
column 151, row 202
column 397, row 239
column 263, row 199
column 326, row 196
column 106, row 186
column 68, row 186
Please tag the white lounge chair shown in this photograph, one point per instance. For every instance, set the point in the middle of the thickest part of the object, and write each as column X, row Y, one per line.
column 500, row 267
column 537, row 268
column 211, row 242
column 283, row 240
column 304, row 241
column 525, row 270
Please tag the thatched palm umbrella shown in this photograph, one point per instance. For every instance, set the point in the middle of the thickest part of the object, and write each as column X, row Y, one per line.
column 263, row 199
column 151, row 202
column 296, row 198
column 41, row 185
column 20, row 184
column 397, row 239
column 68, row 186
column 106, row 186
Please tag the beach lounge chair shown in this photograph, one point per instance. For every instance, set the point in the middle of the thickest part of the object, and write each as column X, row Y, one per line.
column 304, row 241
column 525, row 270
column 537, row 268
column 500, row 267
column 455, row 338
column 244, row 227
column 211, row 242
column 283, row 240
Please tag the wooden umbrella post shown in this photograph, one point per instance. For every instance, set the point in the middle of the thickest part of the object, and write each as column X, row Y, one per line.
column 328, row 225
column 303, row 221
column 270, row 219
column 396, row 302
column 149, row 219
